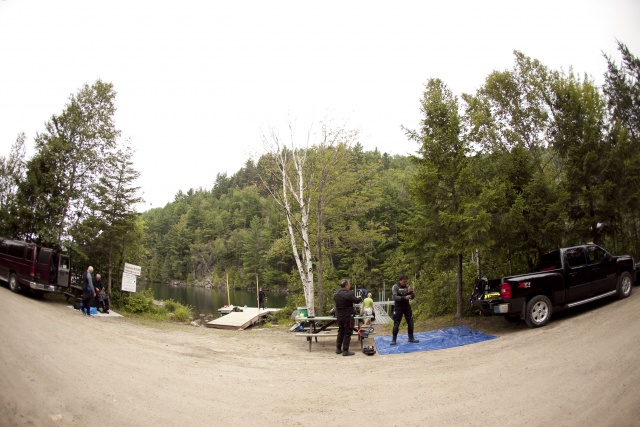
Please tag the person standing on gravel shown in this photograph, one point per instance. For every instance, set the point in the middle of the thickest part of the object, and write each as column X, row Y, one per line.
column 367, row 308
column 401, row 295
column 344, row 300
column 88, row 291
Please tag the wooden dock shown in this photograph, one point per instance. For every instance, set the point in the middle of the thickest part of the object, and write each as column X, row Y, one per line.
column 380, row 308
column 241, row 319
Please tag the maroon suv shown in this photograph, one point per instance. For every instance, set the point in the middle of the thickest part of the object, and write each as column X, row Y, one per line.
column 29, row 266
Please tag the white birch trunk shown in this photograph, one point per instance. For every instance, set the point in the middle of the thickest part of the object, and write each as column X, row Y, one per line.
column 304, row 263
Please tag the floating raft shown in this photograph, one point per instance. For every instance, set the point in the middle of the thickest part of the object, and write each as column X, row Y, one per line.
column 241, row 319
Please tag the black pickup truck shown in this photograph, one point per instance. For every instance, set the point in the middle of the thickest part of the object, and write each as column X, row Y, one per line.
column 563, row 278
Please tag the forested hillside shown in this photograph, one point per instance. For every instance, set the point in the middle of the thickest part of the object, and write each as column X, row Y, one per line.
column 237, row 228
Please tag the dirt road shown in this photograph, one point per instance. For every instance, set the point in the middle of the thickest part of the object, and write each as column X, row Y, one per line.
column 59, row 368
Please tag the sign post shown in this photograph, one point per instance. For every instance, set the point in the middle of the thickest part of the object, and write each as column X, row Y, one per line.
column 129, row 276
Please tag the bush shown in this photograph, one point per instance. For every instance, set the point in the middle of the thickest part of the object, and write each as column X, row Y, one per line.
column 142, row 303
column 182, row 313
column 171, row 305
column 139, row 302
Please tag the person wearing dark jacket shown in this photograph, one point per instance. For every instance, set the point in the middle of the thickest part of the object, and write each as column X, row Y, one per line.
column 344, row 300
column 88, row 290
column 97, row 284
column 102, row 299
column 401, row 296
column 262, row 299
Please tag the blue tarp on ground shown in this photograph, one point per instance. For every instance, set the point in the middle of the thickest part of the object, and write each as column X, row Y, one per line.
column 433, row 340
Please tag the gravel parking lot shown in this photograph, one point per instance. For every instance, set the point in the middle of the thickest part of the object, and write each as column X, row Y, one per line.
column 58, row 367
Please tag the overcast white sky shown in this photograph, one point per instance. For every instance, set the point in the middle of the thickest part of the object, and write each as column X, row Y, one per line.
column 197, row 81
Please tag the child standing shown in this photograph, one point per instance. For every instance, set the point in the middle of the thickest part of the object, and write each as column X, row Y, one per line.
column 367, row 308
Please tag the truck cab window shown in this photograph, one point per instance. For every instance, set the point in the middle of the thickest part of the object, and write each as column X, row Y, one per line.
column 549, row 261
column 595, row 254
column 575, row 257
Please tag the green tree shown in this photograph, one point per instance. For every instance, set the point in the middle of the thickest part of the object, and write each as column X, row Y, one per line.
column 315, row 186
column 447, row 220
column 622, row 89
column 12, row 169
column 509, row 118
column 67, row 163
column 340, row 175
column 111, row 219
column 579, row 111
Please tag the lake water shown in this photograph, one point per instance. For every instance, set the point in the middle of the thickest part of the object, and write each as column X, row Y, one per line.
column 208, row 301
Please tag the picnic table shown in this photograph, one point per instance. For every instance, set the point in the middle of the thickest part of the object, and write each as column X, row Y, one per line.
column 74, row 292
column 321, row 326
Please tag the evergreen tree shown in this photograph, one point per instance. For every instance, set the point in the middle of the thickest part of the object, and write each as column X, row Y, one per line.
column 579, row 138
column 447, row 219
column 622, row 89
column 110, row 223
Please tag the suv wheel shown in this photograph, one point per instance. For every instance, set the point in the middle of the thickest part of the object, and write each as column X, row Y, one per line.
column 538, row 312
column 14, row 285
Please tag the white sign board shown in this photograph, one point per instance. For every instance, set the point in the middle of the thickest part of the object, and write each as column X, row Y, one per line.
column 129, row 282
column 132, row 269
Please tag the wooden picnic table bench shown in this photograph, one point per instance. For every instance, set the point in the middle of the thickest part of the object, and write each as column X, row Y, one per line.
column 74, row 292
column 326, row 330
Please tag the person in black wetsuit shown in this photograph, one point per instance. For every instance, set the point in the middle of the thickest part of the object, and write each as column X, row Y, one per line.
column 262, row 299
column 401, row 296
column 344, row 300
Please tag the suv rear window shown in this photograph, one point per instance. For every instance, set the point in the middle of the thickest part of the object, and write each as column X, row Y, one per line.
column 16, row 250
column 43, row 256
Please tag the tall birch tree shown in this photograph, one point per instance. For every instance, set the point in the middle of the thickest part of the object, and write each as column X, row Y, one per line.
column 288, row 168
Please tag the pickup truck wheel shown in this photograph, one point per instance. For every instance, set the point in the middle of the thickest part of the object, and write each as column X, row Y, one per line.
column 538, row 311
column 624, row 285
column 14, row 285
